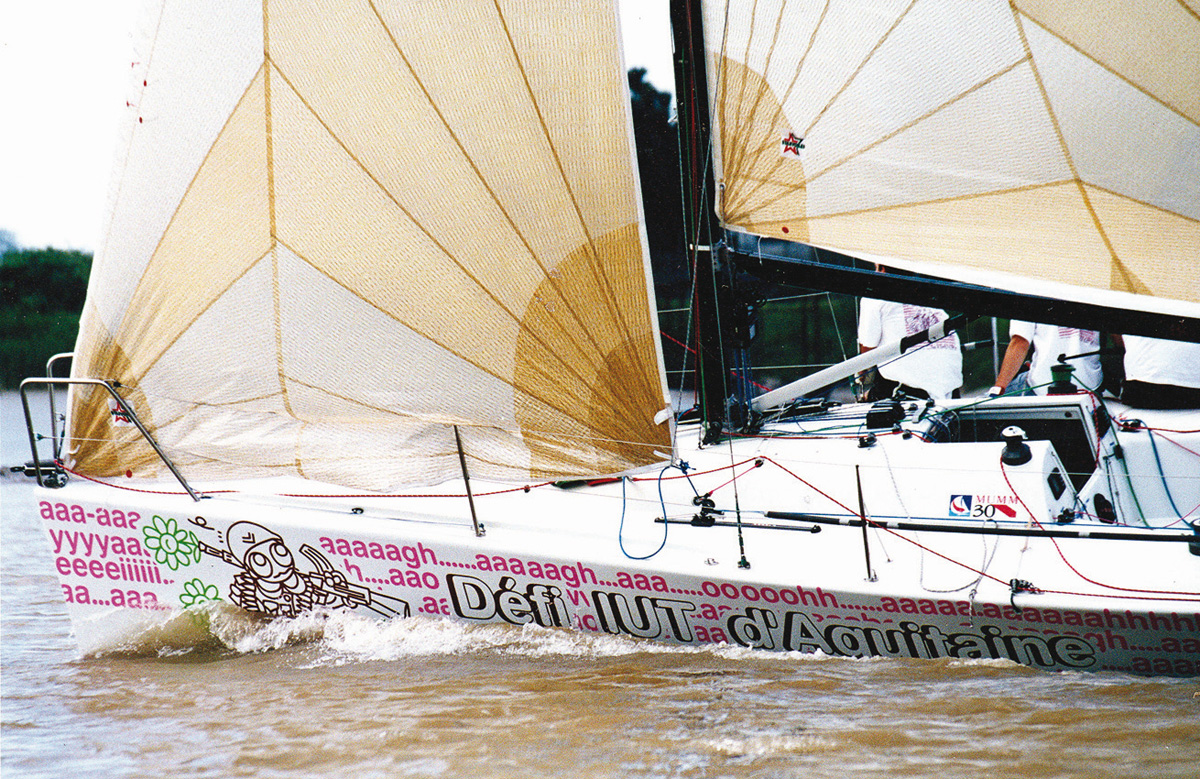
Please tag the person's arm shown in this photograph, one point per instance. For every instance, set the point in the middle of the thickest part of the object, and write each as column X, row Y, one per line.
column 1014, row 357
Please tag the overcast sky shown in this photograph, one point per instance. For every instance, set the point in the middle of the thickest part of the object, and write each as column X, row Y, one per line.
column 64, row 79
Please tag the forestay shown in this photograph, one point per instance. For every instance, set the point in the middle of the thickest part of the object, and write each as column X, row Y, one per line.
column 337, row 230
column 1022, row 145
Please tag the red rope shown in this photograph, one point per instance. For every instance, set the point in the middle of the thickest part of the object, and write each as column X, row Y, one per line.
column 525, row 488
column 876, row 525
column 1188, row 596
column 1170, row 440
column 1150, row 594
column 1076, row 571
column 1124, row 419
column 692, row 350
column 1129, row 426
column 94, row 480
column 758, row 461
column 694, row 474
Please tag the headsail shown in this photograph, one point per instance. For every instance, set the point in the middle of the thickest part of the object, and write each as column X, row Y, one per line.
column 340, row 229
column 1042, row 147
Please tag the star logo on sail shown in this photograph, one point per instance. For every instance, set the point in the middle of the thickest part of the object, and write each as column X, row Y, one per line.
column 120, row 418
column 791, row 144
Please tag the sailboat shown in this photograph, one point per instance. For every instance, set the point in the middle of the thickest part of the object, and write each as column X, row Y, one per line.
column 372, row 328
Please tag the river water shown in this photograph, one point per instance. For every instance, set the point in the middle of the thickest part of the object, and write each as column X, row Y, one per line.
column 421, row 697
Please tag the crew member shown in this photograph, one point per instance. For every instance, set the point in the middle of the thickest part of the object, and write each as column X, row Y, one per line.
column 932, row 370
column 1160, row 374
column 1048, row 342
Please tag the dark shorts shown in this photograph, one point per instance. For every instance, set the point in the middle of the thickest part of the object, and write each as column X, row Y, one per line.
column 884, row 388
column 1144, row 394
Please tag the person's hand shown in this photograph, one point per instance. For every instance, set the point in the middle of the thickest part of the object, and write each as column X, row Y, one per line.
column 863, row 381
column 995, row 391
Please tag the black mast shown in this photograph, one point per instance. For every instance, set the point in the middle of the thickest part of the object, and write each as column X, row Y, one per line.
column 712, row 278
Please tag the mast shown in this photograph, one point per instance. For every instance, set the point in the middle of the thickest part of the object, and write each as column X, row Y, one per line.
column 712, row 276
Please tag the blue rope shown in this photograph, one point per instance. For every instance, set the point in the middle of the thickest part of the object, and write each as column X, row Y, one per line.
column 661, row 502
column 1161, row 475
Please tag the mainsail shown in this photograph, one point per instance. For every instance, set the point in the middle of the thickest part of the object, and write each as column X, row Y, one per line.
column 1035, row 146
column 340, row 229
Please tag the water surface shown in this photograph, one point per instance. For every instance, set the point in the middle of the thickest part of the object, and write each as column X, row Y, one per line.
column 342, row 695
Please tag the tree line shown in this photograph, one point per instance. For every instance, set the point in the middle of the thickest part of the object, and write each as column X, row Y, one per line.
column 42, row 293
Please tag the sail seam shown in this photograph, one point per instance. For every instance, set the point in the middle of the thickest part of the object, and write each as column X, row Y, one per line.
column 203, row 310
column 1109, row 69
column 941, row 200
column 744, row 154
column 873, row 144
column 550, row 277
column 597, row 270
column 517, row 431
column 834, row 98
column 208, row 404
column 129, row 144
column 735, row 159
column 178, row 206
column 874, row 49
column 779, row 110
column 445, row 250
column 268, row 66
column 1189, row 9
column 482, row 368
column 269, row 128
column 1145, row 204
column 203, row 162
column 1117, row 265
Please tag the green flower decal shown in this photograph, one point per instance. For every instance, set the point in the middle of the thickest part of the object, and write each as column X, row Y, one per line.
column 196, row 592
column 172, row 545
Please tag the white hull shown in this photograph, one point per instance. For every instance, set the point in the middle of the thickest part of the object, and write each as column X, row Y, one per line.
column 130, row 561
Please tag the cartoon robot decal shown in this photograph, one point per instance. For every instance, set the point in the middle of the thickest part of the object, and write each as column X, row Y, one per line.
column 270, row 582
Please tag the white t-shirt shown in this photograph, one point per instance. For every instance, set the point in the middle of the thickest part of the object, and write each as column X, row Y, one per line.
column 935, row 368
column 1049, row 341
column 1162, row 362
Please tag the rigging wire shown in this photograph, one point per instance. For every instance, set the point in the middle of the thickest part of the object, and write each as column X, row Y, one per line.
column 707, row 225
column 1161, row 475
column 737, row 507
column 1120, row 458
column 1148, row 594
column 836, row 327
column 1135, row 593
column 1076, row 571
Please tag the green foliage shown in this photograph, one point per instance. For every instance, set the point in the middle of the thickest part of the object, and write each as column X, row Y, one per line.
column 801, row 332
column 42, row 293
column 657, row 142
